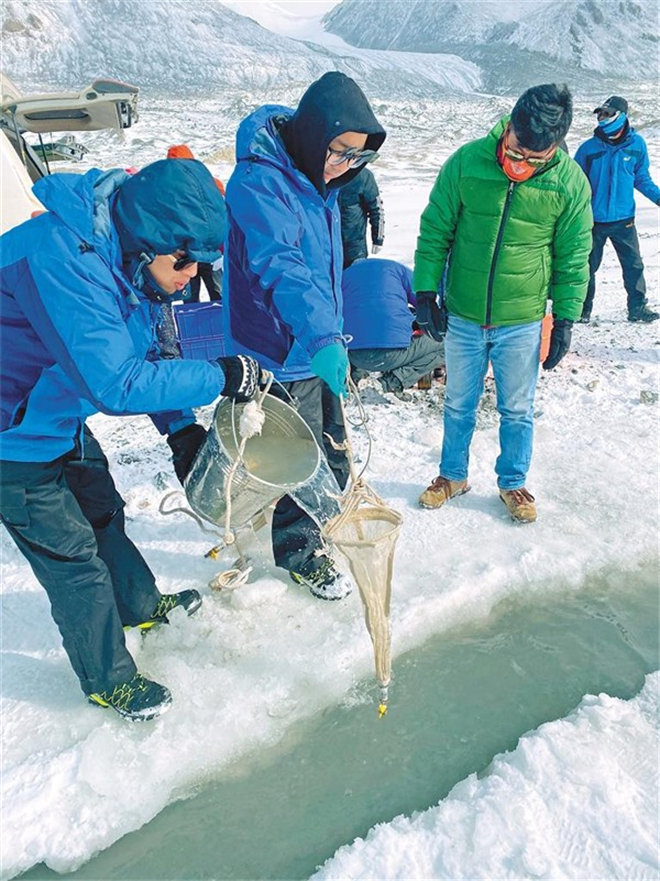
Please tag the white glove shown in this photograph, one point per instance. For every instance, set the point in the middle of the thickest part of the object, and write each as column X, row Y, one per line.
column 376, row 248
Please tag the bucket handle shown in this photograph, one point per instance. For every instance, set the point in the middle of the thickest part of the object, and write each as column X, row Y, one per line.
column 182, row 510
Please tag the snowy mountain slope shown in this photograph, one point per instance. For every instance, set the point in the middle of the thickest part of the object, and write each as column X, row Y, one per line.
column 621, row 37
column 293, row 18
column 193, row 47
column 514, row 44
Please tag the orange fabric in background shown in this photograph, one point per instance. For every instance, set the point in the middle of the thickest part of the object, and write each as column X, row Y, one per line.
column 183, row 151
column 546, row 331
column 180, row 151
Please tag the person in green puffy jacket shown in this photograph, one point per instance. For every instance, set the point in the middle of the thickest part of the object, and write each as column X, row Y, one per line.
column 509, row 220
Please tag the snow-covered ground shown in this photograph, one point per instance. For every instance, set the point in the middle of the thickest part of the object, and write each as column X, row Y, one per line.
column 253, row 663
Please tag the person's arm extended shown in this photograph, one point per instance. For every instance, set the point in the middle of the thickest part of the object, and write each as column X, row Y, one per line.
column 643, row 180
column 72, row 305
column 272, row 221
column 438, row 226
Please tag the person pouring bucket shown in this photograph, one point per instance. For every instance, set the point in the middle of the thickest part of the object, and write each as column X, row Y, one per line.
column 82, row 287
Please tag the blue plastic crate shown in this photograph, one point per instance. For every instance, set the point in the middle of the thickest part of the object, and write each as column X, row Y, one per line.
column 199, row 327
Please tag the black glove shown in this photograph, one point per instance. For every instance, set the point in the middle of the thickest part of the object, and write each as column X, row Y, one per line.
column 242, row 377
column 430, row 317
column 185, row 445
column 560, row 342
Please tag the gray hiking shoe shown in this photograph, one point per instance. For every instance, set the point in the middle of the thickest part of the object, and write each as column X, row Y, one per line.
column 139, row 699
column 643, row 314
column 324, row 581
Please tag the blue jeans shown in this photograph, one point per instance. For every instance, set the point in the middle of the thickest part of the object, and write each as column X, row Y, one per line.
column 514, row 354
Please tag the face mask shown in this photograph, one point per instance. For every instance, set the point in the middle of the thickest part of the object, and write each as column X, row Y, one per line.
column 517, row 170
column 612, row 124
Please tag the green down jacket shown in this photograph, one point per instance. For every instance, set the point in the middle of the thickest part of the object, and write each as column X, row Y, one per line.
column 510, row 245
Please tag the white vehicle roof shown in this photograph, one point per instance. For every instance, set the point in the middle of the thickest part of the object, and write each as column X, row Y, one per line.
column 103, row 104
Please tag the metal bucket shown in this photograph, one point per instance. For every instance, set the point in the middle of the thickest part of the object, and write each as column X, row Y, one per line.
column 278, row 460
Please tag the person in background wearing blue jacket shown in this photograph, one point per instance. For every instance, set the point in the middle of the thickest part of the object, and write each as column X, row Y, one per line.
column 360, row 200
column 616, row 162
column 282, row 284
column 82, row 286
column 378, row 298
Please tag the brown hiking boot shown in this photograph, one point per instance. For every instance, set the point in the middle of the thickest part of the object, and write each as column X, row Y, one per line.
column 520, row 503
column 441, row 490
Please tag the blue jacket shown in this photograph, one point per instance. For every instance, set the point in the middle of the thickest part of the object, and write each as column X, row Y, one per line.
column 283, row 261
column 614, row 172
column 76, row 336
column 377, row 296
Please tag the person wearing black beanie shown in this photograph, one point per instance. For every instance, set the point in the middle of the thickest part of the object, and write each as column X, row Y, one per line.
column 283, row 267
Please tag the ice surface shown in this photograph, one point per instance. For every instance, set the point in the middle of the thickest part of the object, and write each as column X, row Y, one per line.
column 576, row 799
column 249, row 666
column 78, row 778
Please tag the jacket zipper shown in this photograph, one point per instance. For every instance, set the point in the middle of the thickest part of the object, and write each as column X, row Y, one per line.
column 498, row 244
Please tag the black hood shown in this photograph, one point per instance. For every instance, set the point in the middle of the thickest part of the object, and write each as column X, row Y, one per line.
column 331, row 106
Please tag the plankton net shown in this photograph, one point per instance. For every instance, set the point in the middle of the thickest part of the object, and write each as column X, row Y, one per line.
column 365, row 532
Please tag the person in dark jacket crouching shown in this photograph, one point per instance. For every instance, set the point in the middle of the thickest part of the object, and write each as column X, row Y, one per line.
column 82, row 287
column 378, row 298
column 282, row 283
column 360, row 201
column 616, row 161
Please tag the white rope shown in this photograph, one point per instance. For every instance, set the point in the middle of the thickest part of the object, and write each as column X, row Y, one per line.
column 232, row 578
column 229, row 536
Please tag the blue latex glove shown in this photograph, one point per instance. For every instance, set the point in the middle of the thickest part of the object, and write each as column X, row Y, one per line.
column 331, row 364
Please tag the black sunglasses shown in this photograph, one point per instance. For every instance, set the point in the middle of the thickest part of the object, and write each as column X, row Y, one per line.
column 181, row 262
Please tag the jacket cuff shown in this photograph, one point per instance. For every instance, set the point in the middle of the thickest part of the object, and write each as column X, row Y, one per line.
column 322, row 343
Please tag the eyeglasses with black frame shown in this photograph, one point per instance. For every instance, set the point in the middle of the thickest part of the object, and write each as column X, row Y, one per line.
column 181, row 261
column 352, row 156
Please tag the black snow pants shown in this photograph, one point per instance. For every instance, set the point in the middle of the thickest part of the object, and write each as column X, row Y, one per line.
column 67, row 519
column 212, row 279
column 623, row 235
column 295, row 535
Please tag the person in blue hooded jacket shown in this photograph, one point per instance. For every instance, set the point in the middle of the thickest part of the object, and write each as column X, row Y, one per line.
column 616, row 161
column 282, row 282
column 379, row 309
column 83, row 287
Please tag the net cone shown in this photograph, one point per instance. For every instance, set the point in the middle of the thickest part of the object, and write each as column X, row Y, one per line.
column 366, row 533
